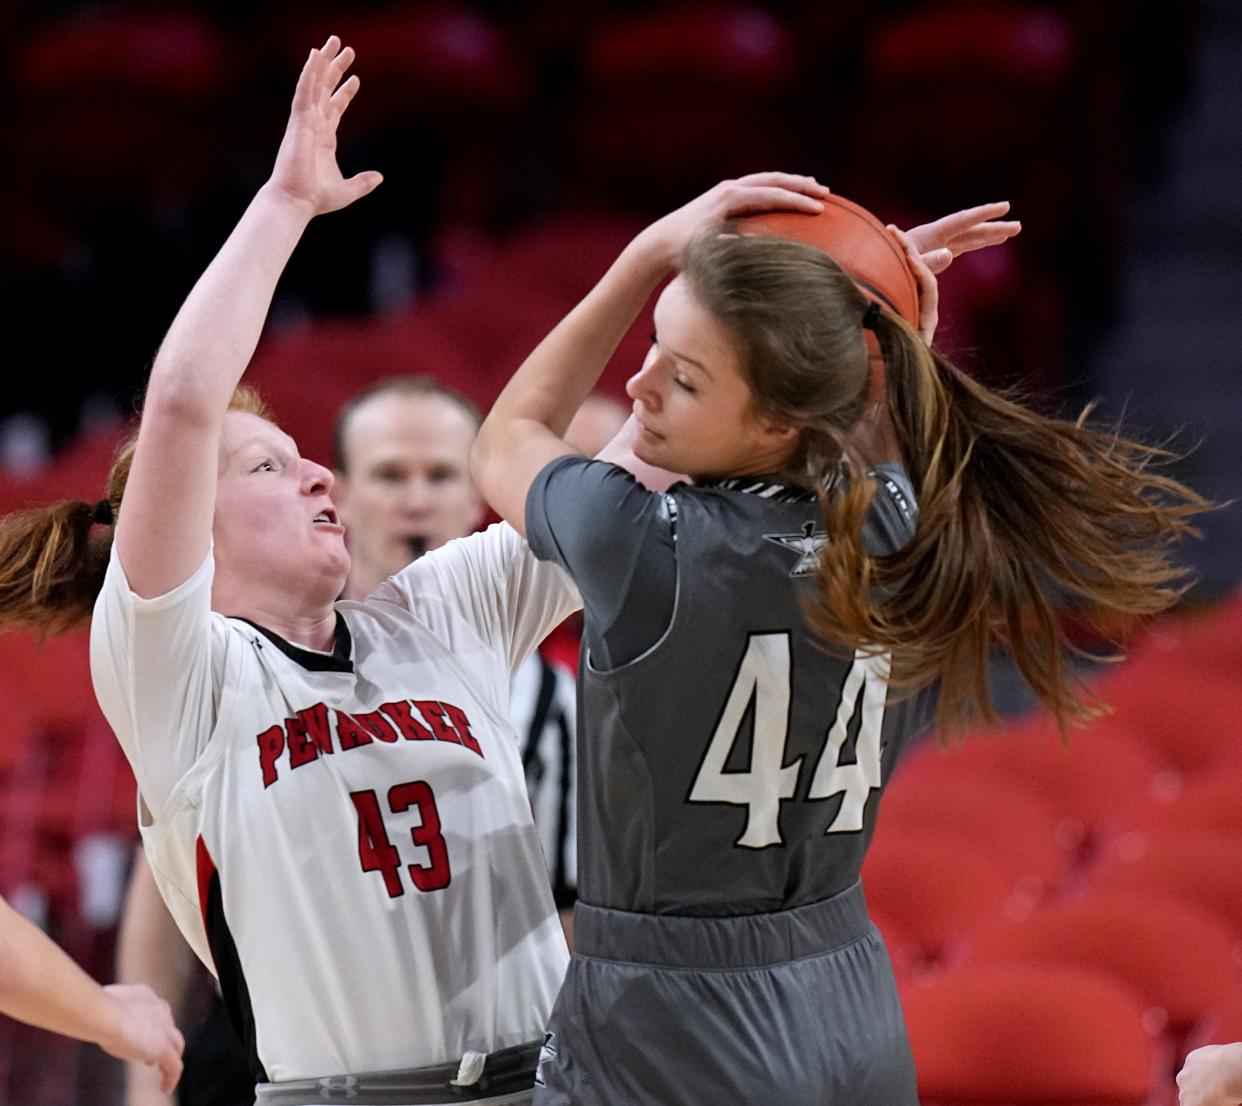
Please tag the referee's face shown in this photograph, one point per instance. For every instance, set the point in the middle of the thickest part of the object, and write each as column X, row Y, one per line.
column 695, row 411
column 407, row 487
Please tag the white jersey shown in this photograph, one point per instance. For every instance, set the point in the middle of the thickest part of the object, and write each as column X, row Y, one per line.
column 346, row 838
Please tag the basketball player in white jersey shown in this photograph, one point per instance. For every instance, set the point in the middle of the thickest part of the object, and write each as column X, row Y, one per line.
column 400, row 455
column 332, row 794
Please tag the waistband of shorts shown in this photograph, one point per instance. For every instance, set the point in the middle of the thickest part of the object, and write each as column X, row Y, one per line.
column 507, row 1071
column 736, row 942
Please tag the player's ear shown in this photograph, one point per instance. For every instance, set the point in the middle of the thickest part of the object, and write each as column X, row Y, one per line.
column 778, row 432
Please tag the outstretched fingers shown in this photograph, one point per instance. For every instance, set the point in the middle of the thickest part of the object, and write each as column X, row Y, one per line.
column 342, row 96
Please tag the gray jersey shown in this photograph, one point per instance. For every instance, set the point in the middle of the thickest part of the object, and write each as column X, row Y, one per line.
column 732, row 766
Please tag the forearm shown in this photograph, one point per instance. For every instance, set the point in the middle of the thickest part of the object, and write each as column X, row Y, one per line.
column 150, row 948
column 215, row 333
column 42, row 986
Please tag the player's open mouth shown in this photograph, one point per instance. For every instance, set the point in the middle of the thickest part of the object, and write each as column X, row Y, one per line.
column 326, row 518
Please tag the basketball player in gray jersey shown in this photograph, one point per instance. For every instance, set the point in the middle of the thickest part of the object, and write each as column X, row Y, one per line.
column 746, row 694
column 731, row 767
column 737, row 724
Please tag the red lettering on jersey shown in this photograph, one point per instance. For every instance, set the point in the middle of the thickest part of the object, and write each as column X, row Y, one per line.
column 434, row 713
column 271, row 745
column 462, row 725
column 349, row 735
column 315, row 719
column 411, row 728
column 378, row 725
column 302, row 749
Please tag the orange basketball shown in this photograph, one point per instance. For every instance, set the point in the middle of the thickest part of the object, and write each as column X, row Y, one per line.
column 858, row 242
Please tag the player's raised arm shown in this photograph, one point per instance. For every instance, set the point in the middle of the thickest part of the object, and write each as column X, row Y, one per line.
column 525, row 428
column 164, row 531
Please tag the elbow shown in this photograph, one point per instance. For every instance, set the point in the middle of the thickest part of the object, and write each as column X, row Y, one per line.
column 174, row 399
column 485, row 451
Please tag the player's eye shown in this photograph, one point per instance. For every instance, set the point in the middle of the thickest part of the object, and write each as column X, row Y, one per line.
column 265, row 466
column 684, row 384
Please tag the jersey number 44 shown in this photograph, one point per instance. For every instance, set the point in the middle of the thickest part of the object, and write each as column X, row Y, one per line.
column 764, row 677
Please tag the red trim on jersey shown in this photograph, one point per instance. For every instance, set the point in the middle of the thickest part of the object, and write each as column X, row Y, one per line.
column 206, row 868
column 564, row 643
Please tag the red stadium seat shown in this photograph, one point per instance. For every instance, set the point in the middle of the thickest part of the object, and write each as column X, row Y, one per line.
column 53, row 677
column 104, row 102
column 1176, row 956
column 1203, row 867
column 1003, row 817
column 937, row 887
column 665, row 95
column 306, row 375
column 902, row 951
column 1093, row 781
column 445, row 94
column 1190, row 716
column 1221, row 1024
column 1028, row 1035
column 1213, row 804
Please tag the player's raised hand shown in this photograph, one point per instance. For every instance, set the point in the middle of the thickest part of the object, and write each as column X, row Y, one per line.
column 306, row 170
column 748, row 195
column 142, row 1029
column 974, row 228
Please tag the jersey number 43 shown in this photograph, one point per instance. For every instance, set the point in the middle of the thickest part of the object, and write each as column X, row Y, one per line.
column 764, row 677
column 377, row 853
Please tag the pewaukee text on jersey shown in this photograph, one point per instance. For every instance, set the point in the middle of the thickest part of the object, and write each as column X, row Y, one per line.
column 310, row 733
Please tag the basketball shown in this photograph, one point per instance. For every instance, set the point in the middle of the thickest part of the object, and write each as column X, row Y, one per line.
column 858, row 242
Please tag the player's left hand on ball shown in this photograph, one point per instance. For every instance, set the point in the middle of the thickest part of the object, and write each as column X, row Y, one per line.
column 974, row 228
column 929, row 287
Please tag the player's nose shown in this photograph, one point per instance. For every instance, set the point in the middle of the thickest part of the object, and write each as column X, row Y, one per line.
column 316, row 480
column 642, row 386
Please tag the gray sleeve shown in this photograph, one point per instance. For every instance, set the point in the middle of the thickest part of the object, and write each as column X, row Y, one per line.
column 614, row 538
column 894, row 511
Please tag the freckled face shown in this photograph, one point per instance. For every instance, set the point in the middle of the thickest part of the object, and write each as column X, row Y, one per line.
column 275, row 525
column 694, row 408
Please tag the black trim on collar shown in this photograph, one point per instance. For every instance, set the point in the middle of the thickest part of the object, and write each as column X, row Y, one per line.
column 766, row 487
column 341, row 659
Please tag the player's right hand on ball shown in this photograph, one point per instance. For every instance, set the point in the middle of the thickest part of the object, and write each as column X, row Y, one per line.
column 143, row 1029
column 749, row 195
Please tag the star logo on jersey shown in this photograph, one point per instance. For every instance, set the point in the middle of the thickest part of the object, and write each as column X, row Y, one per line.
column 547, row 1054
column 806, row 545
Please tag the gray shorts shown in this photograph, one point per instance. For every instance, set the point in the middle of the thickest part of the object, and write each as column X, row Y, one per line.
column 508, row 1075
column 797, row 1007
